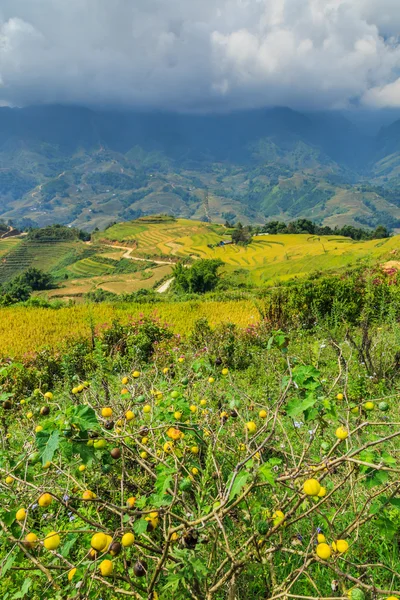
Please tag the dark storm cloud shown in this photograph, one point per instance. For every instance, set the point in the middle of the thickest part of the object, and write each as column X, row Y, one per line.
column 200, row 54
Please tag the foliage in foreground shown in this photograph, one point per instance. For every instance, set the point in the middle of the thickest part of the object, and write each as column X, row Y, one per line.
column 207, row 467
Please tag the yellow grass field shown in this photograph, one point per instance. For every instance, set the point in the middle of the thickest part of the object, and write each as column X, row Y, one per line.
column 267, row 258
column 24, row 330
column 120, row 283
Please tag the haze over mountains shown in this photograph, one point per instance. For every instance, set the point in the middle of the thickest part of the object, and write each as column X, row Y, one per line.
column 86, row 167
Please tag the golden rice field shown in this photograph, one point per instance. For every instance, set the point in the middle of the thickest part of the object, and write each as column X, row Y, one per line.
column 25, row 330
column 267, row 258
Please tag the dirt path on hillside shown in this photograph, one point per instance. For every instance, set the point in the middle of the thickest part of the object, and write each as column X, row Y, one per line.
column 128, row 253
column 165, row 286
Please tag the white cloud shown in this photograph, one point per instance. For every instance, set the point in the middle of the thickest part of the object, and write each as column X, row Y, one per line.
column 200, row 54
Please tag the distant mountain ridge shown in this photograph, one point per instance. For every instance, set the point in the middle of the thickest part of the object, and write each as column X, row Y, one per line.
column 78, row 166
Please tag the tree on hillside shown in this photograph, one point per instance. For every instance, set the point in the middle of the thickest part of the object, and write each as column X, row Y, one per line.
column 242, row 235
column 36, row 279
column 199, row 278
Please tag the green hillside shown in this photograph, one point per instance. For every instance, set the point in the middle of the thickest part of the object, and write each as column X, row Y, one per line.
column 247, row 166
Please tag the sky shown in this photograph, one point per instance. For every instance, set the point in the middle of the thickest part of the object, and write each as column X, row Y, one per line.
column 201, row 55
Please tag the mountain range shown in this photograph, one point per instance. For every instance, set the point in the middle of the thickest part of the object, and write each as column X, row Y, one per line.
column 87, row 168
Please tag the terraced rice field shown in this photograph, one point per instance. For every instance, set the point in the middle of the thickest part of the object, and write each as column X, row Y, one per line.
column 8, row 244
column 117, row 283
column 164, row 237
column 42, row 255
column 89, row 267
column 267, row 258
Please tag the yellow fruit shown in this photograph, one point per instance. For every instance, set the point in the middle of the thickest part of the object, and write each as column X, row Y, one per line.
column 339, row 397
column 369, row 406
column 99, row 444
column 165, row 370
column 38, row 428
column 203, row 402
column 106, row 568
column 355, row 410
column 193, row 408
column 106, row 412
column 225, row 371
column 177, row 415
column 195, row 471
column 223, row 415
column 131, row 502
column 278, row 517
column 31, row 540
column 75, row 390
column 21, row 514
column 147, row 408
column 323, row 551
column 251, row 427
column 128, row 539
column 322, row 492
column 174, row 537
column 311, row 487
column 194, row 449
column 392, row 598
column 9, row 480
column 211, row 380
column 82, row 468
column 71, row 574
column 181, row 359
column 98, row 541
column 168, row 446
column 263, row 414
column 124, row 380
column 29, row 415
column 124, row 391
column 143, row 455
column 242, row 447
column 108, row 543
column 135, row 374
column 321, row 539
column 52, row 541
column 174, row 434
column 45, row 500
column 48, row 395
column 88, row 495
column 153, row 519
column 129, row 415
column 340, row 546
column 145, row 440
column 341, row 433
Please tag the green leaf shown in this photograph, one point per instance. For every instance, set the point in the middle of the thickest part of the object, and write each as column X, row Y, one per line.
column 164, row 480
column 47, row 443
column 296, row 406
column 387, row 528
column 388, row 459
column 375, row 477
column 266, row 473
column 24, row 590
column 141, row 502
column 238, row 484
column 8, row 564
column 8, row 517
column 83, row 417
column 140, row 526
column 70, row 541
